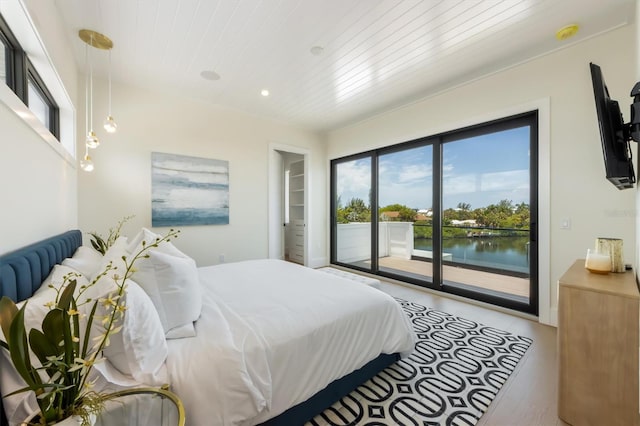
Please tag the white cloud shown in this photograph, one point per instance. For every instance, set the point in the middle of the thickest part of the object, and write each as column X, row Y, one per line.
column 354, row 180
column 415, row 172
column 484, row 182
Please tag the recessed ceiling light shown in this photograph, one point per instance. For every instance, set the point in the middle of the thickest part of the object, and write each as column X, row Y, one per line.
column 264, row 92
column 316, row 50
column 210, row 75
column 567, row 32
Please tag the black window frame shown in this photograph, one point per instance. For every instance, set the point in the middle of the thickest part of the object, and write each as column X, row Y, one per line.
column 529, row 118
column 7, row 57
column 41, row 88
column 20, row 71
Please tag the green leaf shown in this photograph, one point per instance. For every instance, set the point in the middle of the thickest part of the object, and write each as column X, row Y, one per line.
column 98, row 243
column 34, row 388
column 52, row 327
column 68, row 343
column 67, row 295
column 20, row 350
column 87, row 334
column 75, row 319
column 42, row 347
column 8, row 311
column 95, row 246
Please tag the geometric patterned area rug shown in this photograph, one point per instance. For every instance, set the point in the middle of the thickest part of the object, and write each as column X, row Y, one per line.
column 456, row 370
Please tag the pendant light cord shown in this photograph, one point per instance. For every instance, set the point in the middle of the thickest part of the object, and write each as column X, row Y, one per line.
column 91, row 89
column 109, row 82
column 86, row 88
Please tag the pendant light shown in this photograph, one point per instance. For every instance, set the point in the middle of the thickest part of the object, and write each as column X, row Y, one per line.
column 99, row 41
column 86, row 163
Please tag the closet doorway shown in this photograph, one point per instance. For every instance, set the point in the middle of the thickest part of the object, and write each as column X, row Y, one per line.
column 288, row 204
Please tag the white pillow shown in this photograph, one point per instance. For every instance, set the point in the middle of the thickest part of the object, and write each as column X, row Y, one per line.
column 139, row 349
column 173, row 285
column 145, row 234
column 86, row 260
column 182, row 331
column 151, row 237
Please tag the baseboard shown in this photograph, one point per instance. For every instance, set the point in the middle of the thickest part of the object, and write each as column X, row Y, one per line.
column 553, row 317
column 318, row 262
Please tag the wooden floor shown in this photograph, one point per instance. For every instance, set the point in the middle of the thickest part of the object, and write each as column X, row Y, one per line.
column 484, row 280
column 529, row 397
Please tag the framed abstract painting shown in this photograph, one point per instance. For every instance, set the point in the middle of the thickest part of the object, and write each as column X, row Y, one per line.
column 188, row 191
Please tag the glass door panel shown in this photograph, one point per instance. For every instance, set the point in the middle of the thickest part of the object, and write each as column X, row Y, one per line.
column 353, row 213
column 486, row 215
column 405, row 186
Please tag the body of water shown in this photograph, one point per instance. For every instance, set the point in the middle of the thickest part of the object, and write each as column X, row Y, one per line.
column 510, row 253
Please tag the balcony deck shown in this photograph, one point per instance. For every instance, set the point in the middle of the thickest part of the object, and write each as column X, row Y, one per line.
column 506, row 285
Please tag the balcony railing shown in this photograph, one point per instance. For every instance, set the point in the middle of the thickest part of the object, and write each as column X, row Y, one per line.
column 499, row 250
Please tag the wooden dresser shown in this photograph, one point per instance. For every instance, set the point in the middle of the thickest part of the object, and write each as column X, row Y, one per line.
column 598, row 348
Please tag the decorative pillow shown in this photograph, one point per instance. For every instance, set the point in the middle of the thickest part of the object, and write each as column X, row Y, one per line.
column 139, row 349
column 86, row 260
column 173, row 285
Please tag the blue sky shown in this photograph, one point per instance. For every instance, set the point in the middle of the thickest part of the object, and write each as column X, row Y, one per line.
column 480, row 171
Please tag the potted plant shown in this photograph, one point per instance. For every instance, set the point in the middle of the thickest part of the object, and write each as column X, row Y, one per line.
column 61, row 383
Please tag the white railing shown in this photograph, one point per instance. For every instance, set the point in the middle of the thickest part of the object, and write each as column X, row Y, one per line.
column 354, row 241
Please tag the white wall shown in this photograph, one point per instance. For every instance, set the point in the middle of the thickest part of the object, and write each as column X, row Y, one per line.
column 578, row 189
column 39, row 186
column 148, row 121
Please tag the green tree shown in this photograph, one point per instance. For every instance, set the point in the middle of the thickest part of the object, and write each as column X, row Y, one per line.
column 497, row 215
column 355, row 211
column 406, row 214
column 520, row 217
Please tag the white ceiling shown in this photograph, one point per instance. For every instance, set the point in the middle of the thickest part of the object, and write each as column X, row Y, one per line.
column 378, row 54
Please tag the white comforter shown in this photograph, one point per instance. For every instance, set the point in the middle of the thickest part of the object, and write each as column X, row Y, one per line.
column 272, row 334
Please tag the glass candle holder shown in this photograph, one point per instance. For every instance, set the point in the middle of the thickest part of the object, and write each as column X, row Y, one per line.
column 598, row 263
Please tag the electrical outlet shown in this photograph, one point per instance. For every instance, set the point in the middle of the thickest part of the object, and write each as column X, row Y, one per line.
column 221, row 258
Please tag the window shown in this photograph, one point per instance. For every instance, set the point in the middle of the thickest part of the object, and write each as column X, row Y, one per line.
column 455, row 212
column 37, row 103
column 40, row 101
column 3, row 61
column 23, row 79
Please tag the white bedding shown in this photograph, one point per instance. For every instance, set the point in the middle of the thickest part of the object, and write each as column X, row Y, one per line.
column 272, row 334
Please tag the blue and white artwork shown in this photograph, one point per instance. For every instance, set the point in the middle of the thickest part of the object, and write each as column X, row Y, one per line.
column 188, row 190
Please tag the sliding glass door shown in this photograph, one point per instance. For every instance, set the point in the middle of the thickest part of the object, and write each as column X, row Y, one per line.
column 405, row 200
column 455, row 212
column 488, row 199
column 352, row 213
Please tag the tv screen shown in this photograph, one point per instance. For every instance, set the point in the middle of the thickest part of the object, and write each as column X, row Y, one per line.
column 618, row 163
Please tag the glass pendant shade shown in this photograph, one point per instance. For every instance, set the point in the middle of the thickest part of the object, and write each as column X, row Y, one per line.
column 110, row 125
column 92, row 140
column 86, row 164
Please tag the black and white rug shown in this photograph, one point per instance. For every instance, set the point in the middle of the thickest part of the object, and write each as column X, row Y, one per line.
column 456, row 370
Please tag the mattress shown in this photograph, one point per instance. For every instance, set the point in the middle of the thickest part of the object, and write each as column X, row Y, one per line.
column 272, row 334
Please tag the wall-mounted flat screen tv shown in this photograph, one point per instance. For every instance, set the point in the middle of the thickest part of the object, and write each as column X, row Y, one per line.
column 614, row 134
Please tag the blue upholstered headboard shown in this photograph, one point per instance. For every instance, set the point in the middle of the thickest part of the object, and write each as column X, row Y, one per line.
column 22, row 271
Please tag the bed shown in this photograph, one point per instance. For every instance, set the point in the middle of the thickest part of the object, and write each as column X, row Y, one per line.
column 307, row 338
